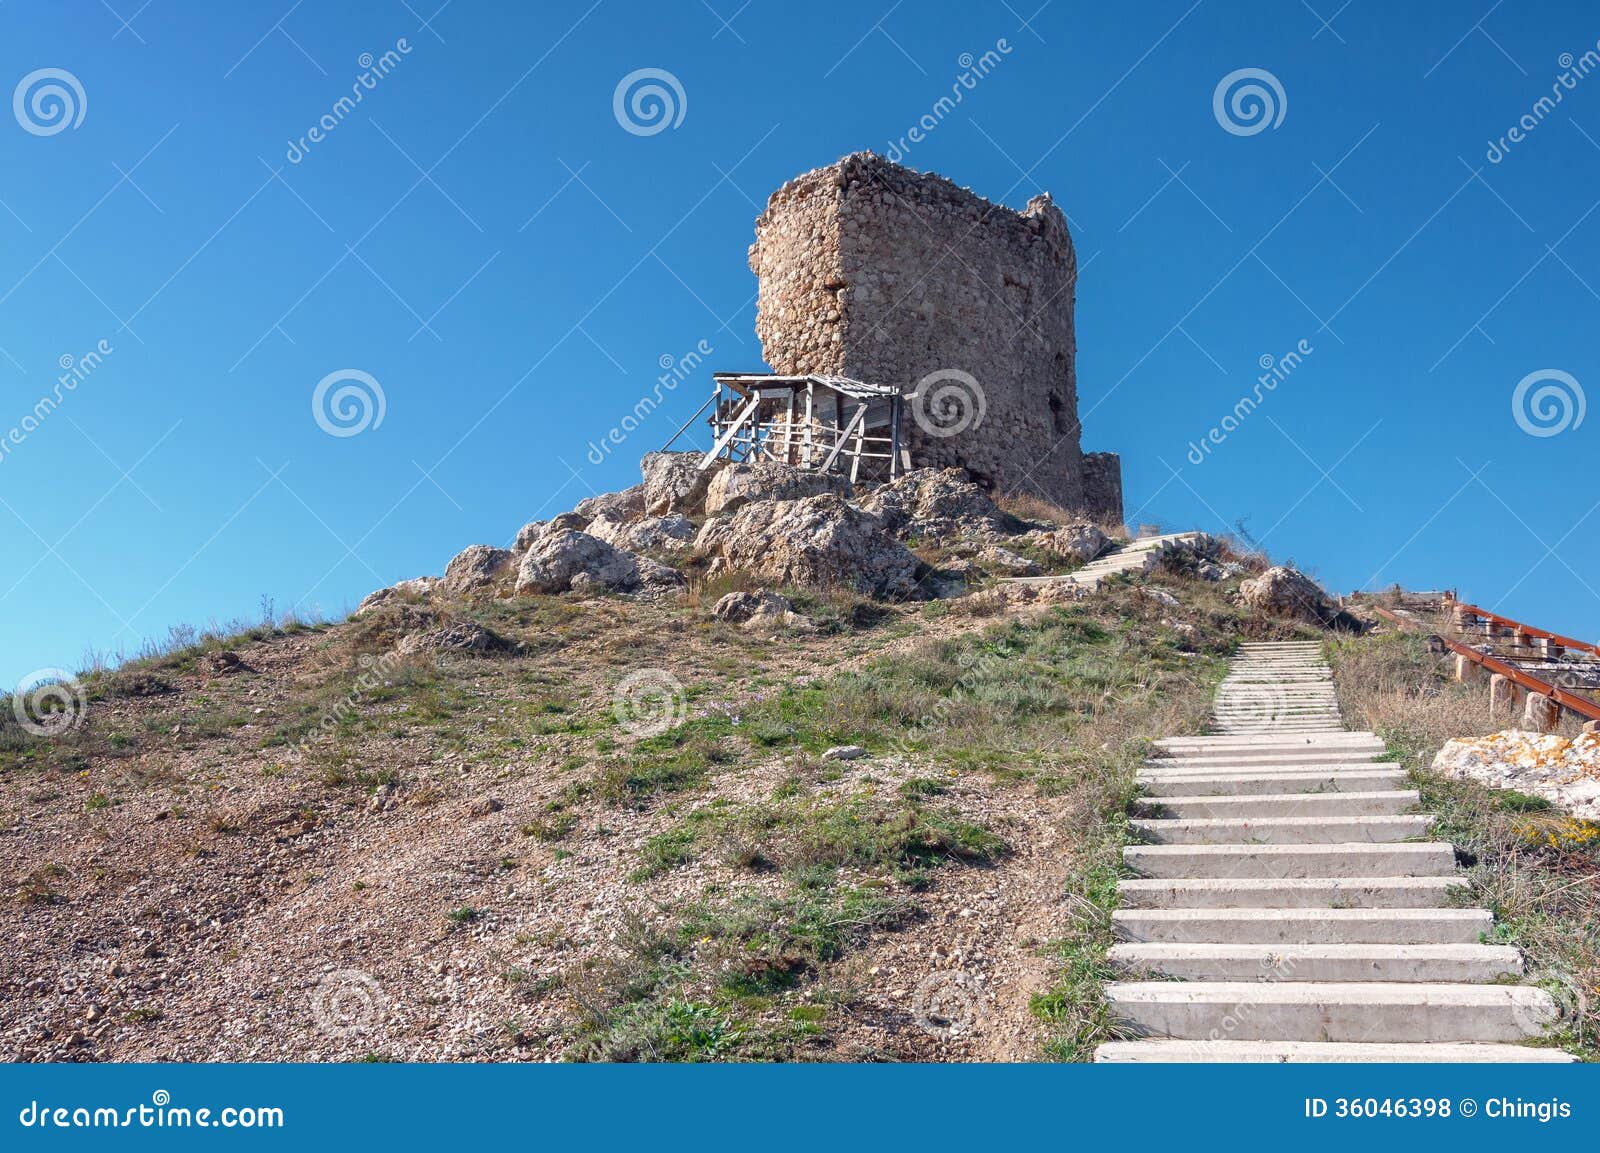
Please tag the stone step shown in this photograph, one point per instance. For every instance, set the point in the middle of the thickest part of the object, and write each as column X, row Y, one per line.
column 1412, row 859
column 1292, row 893
column 1332, row 1011
column 1446, row 963
column 1344, row 738
column 1283, row 830
column 1278, row 759
column 1348, row 738
column 1270, row 781
column 1301, row 804
column 1283, row 1052
column 1305, row 926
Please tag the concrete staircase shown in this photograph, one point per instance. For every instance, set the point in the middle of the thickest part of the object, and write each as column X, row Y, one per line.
column 1135, row 556
column 1288, row 906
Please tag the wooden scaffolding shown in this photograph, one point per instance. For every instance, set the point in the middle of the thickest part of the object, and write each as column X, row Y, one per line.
column 826, row 423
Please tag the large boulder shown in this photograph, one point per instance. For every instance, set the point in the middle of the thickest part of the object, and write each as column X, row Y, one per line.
column 819, row 541
column 673, row 482
column 1080, row 541
column 475, row 569
column 460, row 637
column 623, row 506
column 1282, row 591
column 931, row 504
column 571, row 560
column 415, row 589
column 670, row 533
column 737, row 485
column 760, row 611
column 539, row 529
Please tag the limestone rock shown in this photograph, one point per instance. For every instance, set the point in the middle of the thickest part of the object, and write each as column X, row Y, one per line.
column 461, row 637
column 475, row 569
column 1282, row 591
column 844, row 753
column 417, row 588
column 1004, row 561
column 670, row 533
column 539, row 529
column 737, row 485
column 929, row 505
column 568, row 559
column 817, row 541
column 1564, row 772
column 673, row 482
column 624, row 506
column 761, row 611
column 1080, row 541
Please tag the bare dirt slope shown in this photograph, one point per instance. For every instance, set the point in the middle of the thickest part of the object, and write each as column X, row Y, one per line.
column 330, row 850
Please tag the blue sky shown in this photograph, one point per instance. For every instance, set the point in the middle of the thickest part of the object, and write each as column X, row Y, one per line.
column 483, row 238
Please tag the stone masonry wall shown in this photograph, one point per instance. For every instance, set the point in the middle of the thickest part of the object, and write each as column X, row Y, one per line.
column 873, row 271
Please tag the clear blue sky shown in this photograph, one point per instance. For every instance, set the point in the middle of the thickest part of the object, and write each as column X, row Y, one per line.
column 482, row 236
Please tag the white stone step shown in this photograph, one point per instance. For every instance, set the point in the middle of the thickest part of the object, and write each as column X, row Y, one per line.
column 1345, row 738
column 1298, row 804
column 1292, row 892
column 1272, row 759
column 1270, row 781
column 1412, row 859
column 1447, row 963
column 1305, row 926
column 1283, row 1052
column 1332, row 1011
column 1284, row 830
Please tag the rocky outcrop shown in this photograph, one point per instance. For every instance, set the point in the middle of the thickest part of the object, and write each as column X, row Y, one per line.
column 417, row 588
column 671, row 533
column 932, row 505
column 477, row 568
column 737, row 485
column 820, row 541
column 1282, row 591
column 1564, row 772
column 673, row 482
column 461, row 637
column 624, row 506
column 539, row 529
column 1080, row 542
column 570, row 560
column 760, row 611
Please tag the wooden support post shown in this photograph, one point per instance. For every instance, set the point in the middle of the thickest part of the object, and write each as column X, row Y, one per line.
column 810, row 388
column 894, row 437
column 844, row 437
column 860, row 422
column 731, row 431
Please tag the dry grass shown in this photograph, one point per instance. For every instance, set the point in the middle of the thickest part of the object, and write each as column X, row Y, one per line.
column 1538, row 870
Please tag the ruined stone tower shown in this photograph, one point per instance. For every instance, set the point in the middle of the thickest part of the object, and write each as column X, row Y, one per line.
column 870, row 270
